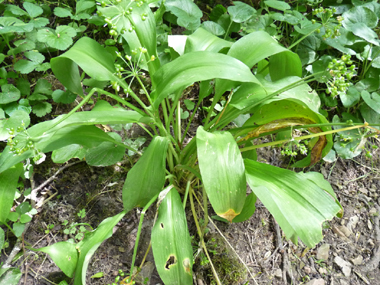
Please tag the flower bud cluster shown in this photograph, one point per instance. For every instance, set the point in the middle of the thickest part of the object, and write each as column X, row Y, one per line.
column 325, row 14
column 291, row 149
column 342, row 70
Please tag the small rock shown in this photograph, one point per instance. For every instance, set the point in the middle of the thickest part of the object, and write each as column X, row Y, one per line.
column 372, row 212
column 358, row 260
column 352, row 223
column 267, row 255
column 343, row 282
column 363, row 190
column 319, row 281
column 345, row 230
column 370, row 225
column 323, row 252
column 278, row 273
column 307, row 269
column 343, row 265
column 322, row 270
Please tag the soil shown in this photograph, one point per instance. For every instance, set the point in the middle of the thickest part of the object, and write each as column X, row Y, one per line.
column 348, row 254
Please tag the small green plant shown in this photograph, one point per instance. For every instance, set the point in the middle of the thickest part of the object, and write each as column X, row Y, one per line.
column 82, row 213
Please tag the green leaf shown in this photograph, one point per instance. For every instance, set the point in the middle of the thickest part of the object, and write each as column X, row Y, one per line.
column 62, row 12
column 213, row 28
column 60, row 38
column 64, row 254
column 189, row 104
column 39, row 22
column 65, row 97
column 98, row 275
column 41, row 109
column 360, row 21
column 32, row 9
column 2, row 238
column 11, row 277
column 91, row 57
column 83, row 5
column 278, row 5
column 224, row 179
column 248, row 210
column 107, row 153
column 10, row 94
column 372, row 100
column 90, row 243
column 27, row 66
column 204, row 40
column 187, row 12
column 25, row 218
column 240, row 12
column 147, row 176
column 369, row 115
column 350, row 98
column 300, row 202
column 216, row 12
column 348, row 144
column 18, row 228
column 171, row 242
column 14, row 25
column 198, row 66
column 68, row 152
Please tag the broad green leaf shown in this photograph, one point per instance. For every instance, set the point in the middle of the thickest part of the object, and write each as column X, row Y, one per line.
column 32, row 9
column 369, row 115
column 278, row 5
column 248, row 210
column 105, row 154
column 10, row 94
column 300, row 202
column 13, row 25
column 39, row 22
column 62, row 12
column 217, row 12
column 91, row 57
column 360, row 21
column 204, row 40
column 187, row 12
column 68, row 152
column 12, row 276
column 350, row 98
column 240, row 12
column 348, row 144
column 147, row 176
column 224, row 178
column 65, row 97
column 198, row 66
column 64, row 254
column 171, row 242
column 255, row 47
column 83, row 5
column 90, row 244
column 372, row 100
column 60, row 38
column 43, row 87
column 213, row 28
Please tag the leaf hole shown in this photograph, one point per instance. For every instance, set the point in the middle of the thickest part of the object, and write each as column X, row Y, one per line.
column 162, row 225
column 170, row 262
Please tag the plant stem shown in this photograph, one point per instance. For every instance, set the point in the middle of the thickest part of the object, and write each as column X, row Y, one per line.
column 201, row 237
column 304, row 37
column 145, row 91
column 139, row 230
column 179, row 122
column 303, row 137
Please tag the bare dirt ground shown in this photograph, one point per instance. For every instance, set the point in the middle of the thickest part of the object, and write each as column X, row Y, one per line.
column 348, row 254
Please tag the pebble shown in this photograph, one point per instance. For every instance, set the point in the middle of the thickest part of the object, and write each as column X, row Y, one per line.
column 307, row 269
column 372, row 212
column 343, row 265
column 344, row 282
column 370, row 225
column 322, row 270
column 363, row 190
column 358, row 260
column 353, row 221
column 278, row 273
column 319, row 281
column 323, row 252
column 345, row 230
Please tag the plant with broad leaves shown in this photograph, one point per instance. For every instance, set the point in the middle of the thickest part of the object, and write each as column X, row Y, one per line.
column 270, row 99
